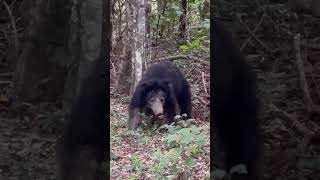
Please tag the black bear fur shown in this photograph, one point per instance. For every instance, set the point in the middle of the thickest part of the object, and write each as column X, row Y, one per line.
column 163, row 76
column 234, row 106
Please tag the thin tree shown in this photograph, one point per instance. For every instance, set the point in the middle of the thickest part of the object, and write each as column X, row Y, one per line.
column 138, row 38
column 183, row 20
column 205, row 11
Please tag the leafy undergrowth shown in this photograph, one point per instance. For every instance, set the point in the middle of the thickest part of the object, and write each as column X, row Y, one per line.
column 179, row 151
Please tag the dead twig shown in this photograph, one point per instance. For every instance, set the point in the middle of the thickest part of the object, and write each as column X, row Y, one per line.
column 204, row 84
column 4, row 108
column 303, row 80
column 303, row 145
column 254, row 32
column 114, row 70
column 13, row 24
column 201, row 100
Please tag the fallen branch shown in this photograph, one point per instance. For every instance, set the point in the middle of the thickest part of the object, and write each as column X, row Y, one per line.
column 295, row 123
column 187, row 57
column 303, row 80
column 310, row 46
column 5, row 82
column 6, row 74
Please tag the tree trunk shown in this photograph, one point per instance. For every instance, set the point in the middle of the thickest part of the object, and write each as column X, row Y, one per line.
column 40, row 70
column 122, row 84
column 83, row 146
column 84, row 44
column 137, row 39
column 205, row 11
column 182, row 25
column 148, row 33
column 161, row 7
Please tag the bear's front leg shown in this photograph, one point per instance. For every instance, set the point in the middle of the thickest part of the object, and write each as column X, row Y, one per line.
column 170, row 113
column 134, row 119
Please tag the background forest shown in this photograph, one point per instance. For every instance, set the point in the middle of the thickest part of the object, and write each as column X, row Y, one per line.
column 178, row 31
column 280, row 39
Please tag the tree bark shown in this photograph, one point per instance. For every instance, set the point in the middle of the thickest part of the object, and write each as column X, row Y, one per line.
column 122, row 84
column 83, row 146
column 137, row 39
column 40, row 70
column 84, row 45
column 148, row 33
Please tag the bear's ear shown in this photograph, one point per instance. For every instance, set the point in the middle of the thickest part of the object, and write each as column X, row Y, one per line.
column 145, row 84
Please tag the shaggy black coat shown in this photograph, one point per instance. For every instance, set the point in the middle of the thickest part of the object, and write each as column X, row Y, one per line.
column 234, row 105
column 163, row 76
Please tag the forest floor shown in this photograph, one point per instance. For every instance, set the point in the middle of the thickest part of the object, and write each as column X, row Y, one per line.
column 29, row 135
column 133, row 156
column 26, row 151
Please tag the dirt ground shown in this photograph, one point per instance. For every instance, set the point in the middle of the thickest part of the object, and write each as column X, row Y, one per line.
column 27, row 148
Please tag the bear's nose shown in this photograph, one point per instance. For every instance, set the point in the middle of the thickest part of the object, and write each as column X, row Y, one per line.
column 160, row 116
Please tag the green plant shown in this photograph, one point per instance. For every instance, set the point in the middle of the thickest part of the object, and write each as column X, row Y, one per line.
column 137, row 164
column 184, row 142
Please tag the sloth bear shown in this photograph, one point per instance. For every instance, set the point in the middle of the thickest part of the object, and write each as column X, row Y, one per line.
column 234, row 106
column 161, row 88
